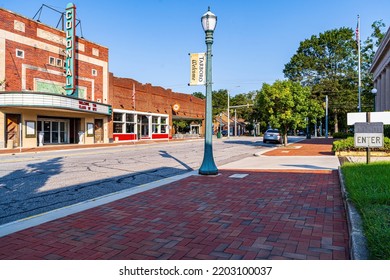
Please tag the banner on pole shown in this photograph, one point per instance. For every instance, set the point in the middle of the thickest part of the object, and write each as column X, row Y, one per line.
column 198, row 69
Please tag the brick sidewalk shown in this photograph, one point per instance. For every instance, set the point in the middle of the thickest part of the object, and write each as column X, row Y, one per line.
column 266, row 215
column 308, row 147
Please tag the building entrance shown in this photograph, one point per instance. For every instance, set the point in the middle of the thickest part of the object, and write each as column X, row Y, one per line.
column 13, row 139
column 55, row 131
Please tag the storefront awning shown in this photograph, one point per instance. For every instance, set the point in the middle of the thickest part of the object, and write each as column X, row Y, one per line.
column 50, row 100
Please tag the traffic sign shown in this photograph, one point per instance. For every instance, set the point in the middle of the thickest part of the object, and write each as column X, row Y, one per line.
column 369, row 135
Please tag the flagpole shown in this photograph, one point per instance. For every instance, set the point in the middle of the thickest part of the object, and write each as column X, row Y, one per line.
column 359, row 72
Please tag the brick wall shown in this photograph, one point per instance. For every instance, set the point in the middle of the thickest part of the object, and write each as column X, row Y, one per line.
column 153, row 99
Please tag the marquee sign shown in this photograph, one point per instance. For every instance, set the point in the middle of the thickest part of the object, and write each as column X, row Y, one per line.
column 70, row 31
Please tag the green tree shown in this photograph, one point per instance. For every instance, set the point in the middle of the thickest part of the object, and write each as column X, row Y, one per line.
column 327, row 63
column 285, row 105
column 219, row 101
column 199, row 95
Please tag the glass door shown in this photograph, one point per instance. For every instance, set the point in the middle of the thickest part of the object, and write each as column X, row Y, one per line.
column 55, row 131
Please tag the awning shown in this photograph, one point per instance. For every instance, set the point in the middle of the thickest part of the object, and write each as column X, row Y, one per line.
column 51, row 100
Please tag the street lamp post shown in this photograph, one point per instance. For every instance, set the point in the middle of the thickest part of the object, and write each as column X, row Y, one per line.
column 208, row 167
column 374, row 91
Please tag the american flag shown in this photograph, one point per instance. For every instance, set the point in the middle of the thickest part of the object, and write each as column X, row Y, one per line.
column 357, row 32
column 133, row 96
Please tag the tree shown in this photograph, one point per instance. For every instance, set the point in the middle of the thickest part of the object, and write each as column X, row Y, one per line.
column 199, row 95
column 328, row 64
column 285, row 105
column 219, row 101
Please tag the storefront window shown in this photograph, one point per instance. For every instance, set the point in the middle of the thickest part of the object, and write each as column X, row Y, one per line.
column 129, row 128
column 118, row 117
column 130, row 118
column 118, row 127
column 155, row 125
column 164, row 125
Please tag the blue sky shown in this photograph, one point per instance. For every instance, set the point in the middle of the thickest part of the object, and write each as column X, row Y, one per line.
column 149, row 40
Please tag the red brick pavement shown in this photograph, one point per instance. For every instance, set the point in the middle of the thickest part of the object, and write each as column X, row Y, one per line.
column 266, row 215
column 308, row 147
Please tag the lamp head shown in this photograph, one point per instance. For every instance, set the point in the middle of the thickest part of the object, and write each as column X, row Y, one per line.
column 374, row 91
column 209, row 21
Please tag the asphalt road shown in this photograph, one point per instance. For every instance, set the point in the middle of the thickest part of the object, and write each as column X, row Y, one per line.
column 34, row 183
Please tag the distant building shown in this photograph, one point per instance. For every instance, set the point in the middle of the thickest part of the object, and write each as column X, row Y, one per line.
column 55, row 89
column 381, row 71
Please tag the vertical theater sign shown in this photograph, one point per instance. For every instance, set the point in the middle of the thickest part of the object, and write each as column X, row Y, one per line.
column 70, row 16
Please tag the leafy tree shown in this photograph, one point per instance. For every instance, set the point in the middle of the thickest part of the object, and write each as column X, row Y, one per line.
column 368, row 50
column 285, row 105
column 199, row 95
column 328, row 64
column 219, row 101
column 246, row 112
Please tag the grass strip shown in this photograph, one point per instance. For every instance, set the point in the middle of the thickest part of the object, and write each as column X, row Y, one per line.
column 368, row 187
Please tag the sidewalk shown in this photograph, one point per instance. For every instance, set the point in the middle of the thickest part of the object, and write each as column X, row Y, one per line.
column 254, row 213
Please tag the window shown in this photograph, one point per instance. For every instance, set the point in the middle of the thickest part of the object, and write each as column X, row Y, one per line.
column 59, row 62
column 164, row 125
column 19, row 53
column 129, row 118
column 130, row 123
column 118, row 117
column 118, row 127
column 124, row 123
column 118, row 122
column 55, row 62
column 155, row 125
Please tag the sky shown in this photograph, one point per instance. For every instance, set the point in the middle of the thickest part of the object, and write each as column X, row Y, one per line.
column 149, row 40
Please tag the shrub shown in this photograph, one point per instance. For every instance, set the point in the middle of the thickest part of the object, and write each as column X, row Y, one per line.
column 342, row 135
column 349, row 145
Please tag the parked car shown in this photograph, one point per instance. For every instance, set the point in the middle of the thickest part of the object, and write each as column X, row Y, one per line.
column 272, row 135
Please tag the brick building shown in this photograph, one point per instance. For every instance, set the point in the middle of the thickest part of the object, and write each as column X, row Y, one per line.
column 143, row 111
column 35, row 108
column 55, row 88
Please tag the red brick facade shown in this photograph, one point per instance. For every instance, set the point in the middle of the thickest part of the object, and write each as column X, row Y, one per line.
column 153, row 99
column 39, row 42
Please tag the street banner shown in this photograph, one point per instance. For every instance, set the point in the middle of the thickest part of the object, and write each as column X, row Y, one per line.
column 198, row 69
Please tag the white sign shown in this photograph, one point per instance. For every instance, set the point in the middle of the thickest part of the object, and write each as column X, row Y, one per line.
column 369, row 140
column 353, row 118
column 198, row 69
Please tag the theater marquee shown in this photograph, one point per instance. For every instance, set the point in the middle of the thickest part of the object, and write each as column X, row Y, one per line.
column 70, row 28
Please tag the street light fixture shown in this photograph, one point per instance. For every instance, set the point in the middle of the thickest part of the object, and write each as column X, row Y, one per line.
column 208, row 167
column 374, row 91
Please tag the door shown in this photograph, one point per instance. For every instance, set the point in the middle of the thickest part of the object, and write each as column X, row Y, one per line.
column 12, row 132
column 55, row 131
column 99, row 132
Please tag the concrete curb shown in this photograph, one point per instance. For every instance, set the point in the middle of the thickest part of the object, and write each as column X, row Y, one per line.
column 357, row 240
